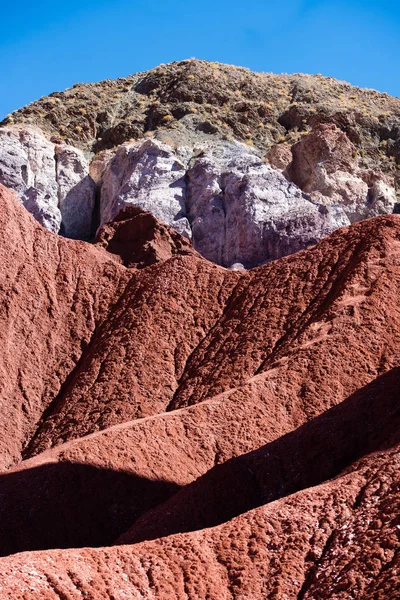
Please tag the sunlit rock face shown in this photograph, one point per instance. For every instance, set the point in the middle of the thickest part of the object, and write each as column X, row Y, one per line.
column 150, row 175
column 51, row 180
column 326, row 165
column 236, row 208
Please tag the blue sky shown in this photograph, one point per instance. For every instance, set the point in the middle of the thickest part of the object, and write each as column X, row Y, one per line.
column 48, row 46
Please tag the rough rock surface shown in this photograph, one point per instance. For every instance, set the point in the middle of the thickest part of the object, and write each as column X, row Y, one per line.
column 280, row 156
column 149, row 175
column 52, row 181
column 315, row 452
column 54, row 293
column 27, row 166
column 139, row 240
column 190, row 100
column 344, row 140
column 338, row 540
column 241, row 210
column 76, row 193
column 238, row 360
column 234, row 206
column 197, row 312
column 325, row 165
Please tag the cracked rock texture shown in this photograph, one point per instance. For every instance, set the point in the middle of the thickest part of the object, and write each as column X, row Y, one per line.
column 52, row 181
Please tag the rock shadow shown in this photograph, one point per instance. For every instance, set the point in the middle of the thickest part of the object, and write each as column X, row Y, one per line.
column 63, row 505
column 315, row 452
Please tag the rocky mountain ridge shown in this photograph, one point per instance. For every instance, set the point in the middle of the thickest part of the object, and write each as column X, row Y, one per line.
column 212, row 185
column 189, row 99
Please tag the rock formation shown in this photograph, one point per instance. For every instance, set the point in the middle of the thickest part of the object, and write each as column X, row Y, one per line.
column 137, row 239
column 76, row 193
column 149, row 175
column 338, row 540
column 325, row 165
column 195, row 157
column 52, row 181
column 241, row 210
column 27, row 165
column 175, row 423
column 314, row 335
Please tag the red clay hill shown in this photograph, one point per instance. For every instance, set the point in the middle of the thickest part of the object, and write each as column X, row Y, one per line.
column 172, row 429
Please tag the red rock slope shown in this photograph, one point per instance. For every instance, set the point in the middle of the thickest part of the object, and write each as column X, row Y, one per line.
column 186, row 330
column 54, row 294
column 125, row 385
column 338, row 540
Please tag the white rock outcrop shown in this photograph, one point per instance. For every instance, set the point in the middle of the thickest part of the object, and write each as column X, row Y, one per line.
column 236, row 208
column 51, row 180
column 28, row 166
column 148, row 174
column 243, row 211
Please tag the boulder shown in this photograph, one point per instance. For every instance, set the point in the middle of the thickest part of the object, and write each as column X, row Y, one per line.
column 325, row 146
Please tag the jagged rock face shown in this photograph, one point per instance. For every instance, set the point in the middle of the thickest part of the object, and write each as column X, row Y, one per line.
column 149, row 175
column 325, row 165
column 235, row 208
column 76, row 193
column 223, row 195
column 242, row 211
column 27, row 166
column 51, row 180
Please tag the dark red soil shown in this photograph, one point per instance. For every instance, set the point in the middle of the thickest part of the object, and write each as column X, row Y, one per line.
column 147, row 392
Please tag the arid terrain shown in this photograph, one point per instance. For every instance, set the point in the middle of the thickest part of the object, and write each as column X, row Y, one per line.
column 200, row 340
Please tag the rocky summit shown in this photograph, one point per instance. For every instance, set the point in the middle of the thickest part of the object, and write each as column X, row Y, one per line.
column 249, row 166
column 200, row 339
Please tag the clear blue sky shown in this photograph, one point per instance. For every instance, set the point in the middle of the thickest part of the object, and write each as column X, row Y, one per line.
column 47, row 46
